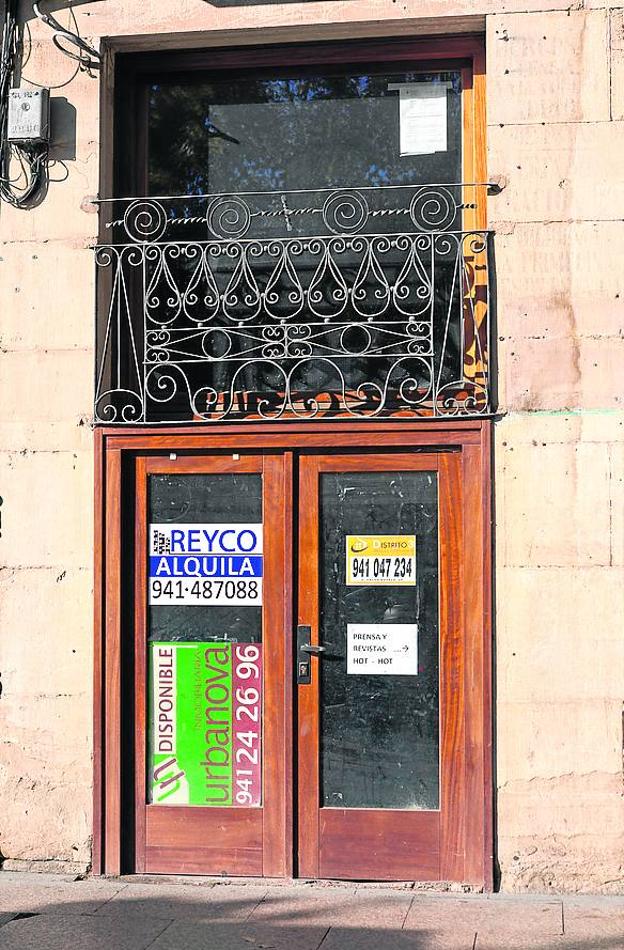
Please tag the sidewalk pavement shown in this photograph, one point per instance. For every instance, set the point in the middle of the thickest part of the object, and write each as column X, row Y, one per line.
column 54, row 912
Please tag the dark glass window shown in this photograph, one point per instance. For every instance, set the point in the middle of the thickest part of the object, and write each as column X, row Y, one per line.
column 379, row 733
column 307, row 130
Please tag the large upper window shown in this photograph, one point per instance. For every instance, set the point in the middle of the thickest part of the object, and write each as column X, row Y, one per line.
column 307, row 248
column 303, row 131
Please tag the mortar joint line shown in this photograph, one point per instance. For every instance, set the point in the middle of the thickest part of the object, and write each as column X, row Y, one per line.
column 323, row 938
column 565, row 11
column 10, row 917
column 411, row 904
column 160, row 933
column 256, row 906
column 122, row 887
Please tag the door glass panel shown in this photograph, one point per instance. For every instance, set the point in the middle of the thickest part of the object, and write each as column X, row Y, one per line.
column 379, row 692
column 205, row 577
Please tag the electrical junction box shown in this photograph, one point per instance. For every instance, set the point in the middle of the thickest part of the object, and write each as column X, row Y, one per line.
column 29, row 115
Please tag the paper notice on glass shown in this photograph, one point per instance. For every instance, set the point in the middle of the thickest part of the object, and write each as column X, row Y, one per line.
column 422, row 117
column 382, row 649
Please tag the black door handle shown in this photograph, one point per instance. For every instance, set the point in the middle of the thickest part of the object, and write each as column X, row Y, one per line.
column 305, row 650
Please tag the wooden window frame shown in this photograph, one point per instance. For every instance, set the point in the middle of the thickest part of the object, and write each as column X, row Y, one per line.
column 123, row 106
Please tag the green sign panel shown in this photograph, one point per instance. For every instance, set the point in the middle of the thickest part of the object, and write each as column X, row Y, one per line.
column 204, row 740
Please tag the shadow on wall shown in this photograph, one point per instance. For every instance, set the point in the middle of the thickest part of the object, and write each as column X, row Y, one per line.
column 63, row 126
column 55, row 6
column 26, row 11
column 253, row 3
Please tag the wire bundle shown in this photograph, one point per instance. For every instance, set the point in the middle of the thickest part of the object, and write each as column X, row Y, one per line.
column 69, row 43
column 31, row 158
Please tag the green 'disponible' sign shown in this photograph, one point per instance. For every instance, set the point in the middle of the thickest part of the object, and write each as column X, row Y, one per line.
column 204, row 737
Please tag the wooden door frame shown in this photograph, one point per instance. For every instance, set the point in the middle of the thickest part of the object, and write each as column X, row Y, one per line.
column 115, row 452
column 116, row 448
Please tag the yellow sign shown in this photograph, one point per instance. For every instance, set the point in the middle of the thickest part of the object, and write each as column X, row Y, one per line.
column 381, row 560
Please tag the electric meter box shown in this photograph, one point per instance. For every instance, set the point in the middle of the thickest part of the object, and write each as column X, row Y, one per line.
column 29, row 115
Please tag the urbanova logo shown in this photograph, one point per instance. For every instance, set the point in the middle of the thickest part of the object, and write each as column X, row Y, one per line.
column 168, row 779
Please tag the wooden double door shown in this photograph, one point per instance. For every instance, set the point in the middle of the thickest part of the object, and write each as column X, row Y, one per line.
column 310, row 664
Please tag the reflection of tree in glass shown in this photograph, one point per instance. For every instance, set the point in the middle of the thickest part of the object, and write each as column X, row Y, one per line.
column 238, row 133
column 254, row 134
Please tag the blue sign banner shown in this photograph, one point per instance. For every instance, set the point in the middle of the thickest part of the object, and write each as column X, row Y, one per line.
column 207, row 565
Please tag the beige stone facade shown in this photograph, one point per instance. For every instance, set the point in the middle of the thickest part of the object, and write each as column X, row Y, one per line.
column 555, row 103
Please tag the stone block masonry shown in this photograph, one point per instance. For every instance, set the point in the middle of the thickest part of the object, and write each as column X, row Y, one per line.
column 555, row 103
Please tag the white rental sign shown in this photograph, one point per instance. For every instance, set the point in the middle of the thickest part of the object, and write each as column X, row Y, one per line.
column 382, row 649
column 205, row 564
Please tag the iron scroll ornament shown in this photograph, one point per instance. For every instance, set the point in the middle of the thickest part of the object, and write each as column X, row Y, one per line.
column 354, row 302
column 340, row 212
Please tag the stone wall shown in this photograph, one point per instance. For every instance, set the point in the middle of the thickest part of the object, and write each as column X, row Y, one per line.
column 555, row 139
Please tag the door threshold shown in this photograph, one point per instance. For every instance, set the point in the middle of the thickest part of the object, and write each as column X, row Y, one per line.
column 209, row 881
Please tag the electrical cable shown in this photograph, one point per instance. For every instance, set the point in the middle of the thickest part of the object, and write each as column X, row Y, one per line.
column 31, row 158
column 69, row 43
column 26, row 58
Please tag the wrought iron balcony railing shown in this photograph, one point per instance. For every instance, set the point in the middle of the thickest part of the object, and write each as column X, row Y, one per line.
column 359, row 303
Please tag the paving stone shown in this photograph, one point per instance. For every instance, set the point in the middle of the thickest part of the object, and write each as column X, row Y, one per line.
column 345, row 938
column 40, row 878
column 26, row 893
column 485, row 915
column 601, row 921
column 496, row 941
column 226, row 902
column 204, row 915
column 592, row 909
column 592, row 941
column 333, row 907
column 329, row 890
column 193, row 935
column 53, row 932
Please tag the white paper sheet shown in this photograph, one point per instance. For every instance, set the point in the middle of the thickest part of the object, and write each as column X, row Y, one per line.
column 422, row 117
column 382, row 649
